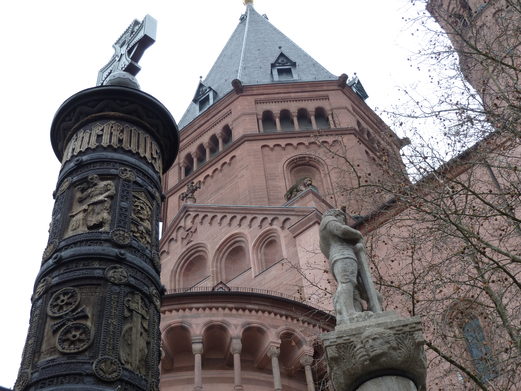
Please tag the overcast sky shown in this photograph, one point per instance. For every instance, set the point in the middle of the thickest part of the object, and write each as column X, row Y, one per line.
column 52, row 49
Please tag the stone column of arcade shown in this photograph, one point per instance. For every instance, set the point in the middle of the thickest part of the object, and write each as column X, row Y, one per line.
column 95, row 308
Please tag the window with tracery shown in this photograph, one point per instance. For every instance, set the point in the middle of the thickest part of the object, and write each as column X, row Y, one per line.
column 478, row 349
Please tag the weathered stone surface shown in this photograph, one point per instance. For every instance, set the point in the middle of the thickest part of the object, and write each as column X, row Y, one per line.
column 388, row 383
column 344, row 248
column 382, row 345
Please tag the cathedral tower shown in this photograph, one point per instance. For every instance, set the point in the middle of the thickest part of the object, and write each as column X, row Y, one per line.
column 262, row 151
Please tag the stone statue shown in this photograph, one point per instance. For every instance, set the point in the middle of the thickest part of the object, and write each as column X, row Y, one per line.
column 344, row 248
column 301, row 185
column 189, row 194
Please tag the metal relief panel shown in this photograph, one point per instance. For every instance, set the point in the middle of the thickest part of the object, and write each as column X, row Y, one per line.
column 141, row 224
column 91, row 206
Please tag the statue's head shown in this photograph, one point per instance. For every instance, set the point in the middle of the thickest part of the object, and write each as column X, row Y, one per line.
column 337, row 214
column 378, row 342
column 307, row 181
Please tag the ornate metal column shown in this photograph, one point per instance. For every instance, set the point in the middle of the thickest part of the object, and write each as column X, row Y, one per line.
column 95, row 308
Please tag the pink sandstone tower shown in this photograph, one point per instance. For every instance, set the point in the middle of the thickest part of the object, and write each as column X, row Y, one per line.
column 262, row 146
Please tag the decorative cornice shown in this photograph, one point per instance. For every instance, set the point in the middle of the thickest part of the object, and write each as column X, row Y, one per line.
column 240, row 303
column 239, row 215
column 291, row 99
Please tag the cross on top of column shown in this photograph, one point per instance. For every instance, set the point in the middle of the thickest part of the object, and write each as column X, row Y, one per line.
column 129, row 48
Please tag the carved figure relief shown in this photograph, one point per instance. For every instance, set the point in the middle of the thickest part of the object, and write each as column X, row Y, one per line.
column 141, row 225
column 91, row 206
column 134, row 337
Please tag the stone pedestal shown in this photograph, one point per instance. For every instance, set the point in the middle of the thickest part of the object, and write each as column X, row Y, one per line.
column 376, row 351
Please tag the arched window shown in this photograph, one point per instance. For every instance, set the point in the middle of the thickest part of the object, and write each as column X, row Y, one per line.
column 286, row 121
column 191, row 268
column 201, row 154
column 188, row 164
column 305, row 171
column 478, row 349
column 290, row 347
column 178, row 341
column 463, row 319
column 232, row 258
column 298, row 173
column 214, row 145
column 321, row 118
column 216, row 341
column 268, row 122
column 227, row 135
column 254, row 340
column 268, row 250
column 304, row 122
column 194, row 272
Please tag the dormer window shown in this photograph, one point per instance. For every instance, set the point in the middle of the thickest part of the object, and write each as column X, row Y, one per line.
column 204, row 97
column 285, row 73
column 204, row 103
column 284, row 69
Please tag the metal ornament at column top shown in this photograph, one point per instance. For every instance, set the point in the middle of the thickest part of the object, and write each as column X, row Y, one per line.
column 129, row 49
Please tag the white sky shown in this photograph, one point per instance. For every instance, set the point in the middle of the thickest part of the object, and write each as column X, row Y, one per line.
column 52, row 49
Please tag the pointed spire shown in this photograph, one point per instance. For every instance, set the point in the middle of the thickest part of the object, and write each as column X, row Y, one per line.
column 256, row 53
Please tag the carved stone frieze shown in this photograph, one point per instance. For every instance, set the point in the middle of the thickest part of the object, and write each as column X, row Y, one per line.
column 91, row 207
column 383, row 345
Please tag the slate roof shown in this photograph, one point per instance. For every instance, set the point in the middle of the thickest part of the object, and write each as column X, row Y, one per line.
column 248, row 56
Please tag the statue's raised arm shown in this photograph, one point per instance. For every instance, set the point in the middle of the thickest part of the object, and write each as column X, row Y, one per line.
column 343, row 246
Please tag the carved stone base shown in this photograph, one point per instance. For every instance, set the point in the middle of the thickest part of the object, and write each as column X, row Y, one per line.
column 380, row 351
